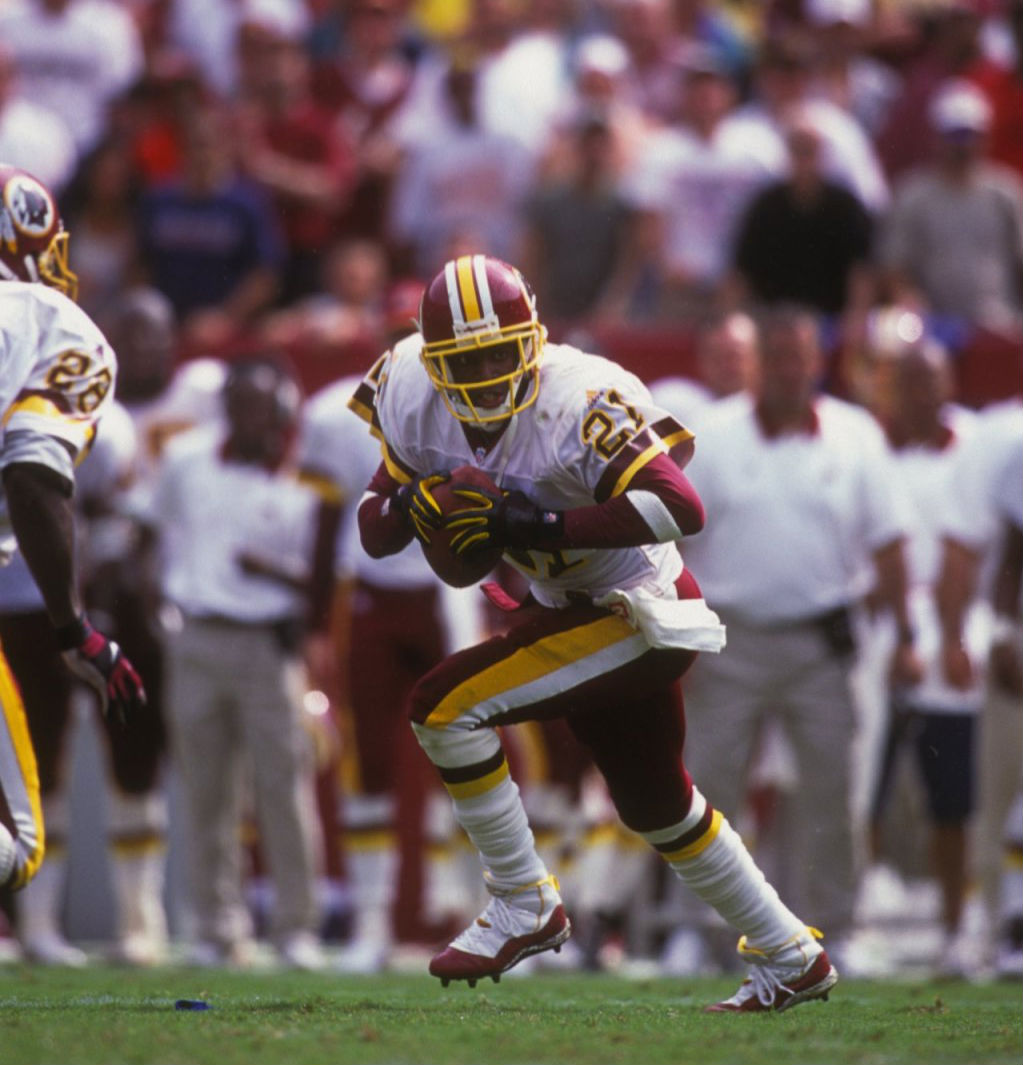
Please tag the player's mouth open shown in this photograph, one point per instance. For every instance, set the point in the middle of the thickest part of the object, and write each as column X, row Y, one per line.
column 491, row 398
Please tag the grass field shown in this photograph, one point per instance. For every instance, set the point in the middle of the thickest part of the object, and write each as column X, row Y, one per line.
column 114, row 1016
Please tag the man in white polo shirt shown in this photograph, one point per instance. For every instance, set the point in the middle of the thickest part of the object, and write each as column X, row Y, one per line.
column 233, row 523
column 983, row 535
column 802, row 509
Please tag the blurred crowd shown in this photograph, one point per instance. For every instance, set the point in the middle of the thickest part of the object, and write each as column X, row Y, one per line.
column 243, row 178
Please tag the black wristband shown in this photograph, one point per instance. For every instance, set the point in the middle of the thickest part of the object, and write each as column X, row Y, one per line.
column 73, row 634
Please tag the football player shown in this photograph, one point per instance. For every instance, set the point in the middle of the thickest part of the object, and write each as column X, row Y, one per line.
column 589, row 503
column 56, row 380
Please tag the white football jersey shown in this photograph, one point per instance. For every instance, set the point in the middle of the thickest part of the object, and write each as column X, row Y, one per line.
column 592, row 427
column 56, row 376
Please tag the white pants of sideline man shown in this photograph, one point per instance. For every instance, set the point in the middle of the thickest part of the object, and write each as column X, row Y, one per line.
column 234, row 706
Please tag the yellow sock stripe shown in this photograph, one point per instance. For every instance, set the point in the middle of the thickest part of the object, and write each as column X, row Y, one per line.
column 470, row 789
column 698, row 846
column 372, row 840
column 528, row 664
column 17, row 726
column 137, row 845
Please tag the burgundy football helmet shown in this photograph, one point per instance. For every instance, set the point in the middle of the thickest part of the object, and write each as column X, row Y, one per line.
column 33, row 241
column 474, row 308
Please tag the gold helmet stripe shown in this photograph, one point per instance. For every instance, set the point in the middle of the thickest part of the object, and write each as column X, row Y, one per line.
column 467, row 288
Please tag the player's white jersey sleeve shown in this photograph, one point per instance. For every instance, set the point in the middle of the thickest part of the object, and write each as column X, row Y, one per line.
column 57, row 375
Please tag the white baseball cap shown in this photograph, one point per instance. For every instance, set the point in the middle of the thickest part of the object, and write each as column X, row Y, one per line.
column 959, row 105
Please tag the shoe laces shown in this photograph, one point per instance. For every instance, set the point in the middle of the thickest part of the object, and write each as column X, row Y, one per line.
column 767, row 976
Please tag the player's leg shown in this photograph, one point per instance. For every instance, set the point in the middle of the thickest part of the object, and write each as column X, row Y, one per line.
column 548, row 661
column 137, row 815
column 45, row 692
column 1000, row 756
column 945, row 749
column 205, row 742
column 269, row 699
column 22, row 837
column 638, row 747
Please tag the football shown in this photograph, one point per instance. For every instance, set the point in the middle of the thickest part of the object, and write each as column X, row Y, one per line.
column 459, row 571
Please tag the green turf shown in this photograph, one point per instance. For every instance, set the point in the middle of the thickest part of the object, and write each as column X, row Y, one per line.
column 114, row 1016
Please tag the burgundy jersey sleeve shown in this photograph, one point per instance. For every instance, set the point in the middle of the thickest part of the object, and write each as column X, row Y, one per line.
column 619, row 522
column 381, row 529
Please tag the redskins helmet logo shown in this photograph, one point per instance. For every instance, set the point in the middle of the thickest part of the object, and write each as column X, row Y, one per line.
column 29, row 206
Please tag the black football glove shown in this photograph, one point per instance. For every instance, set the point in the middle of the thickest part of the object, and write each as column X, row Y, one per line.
column 103, row 666
column 500, row 520
column 415, row 503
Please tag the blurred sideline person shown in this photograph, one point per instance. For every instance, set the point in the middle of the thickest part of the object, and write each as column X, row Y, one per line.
column 726, row 358
column 590, row 507
column 988, row 518
column 57, row 382
column 806, row 522
column 927, row 434
column 230, row 516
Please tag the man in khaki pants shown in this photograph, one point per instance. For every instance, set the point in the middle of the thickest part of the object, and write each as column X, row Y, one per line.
column 233, row 521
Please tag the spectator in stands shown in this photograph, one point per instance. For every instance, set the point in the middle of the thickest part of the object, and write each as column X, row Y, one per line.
column 73, row 57
column 948, row 39
column 689, row 186
column 844, row 72
column 340, row 327
column 647, row 29
column 805, row 239
column 600, row 64
column 235, row 531
column 364, row 84
column 576, row 226
column 206, row 33
column 783, row 82
column 100, row 205
column 458, row 179
column 294, row 149
column 952, row 241
column 522, row 87
column 209, row 241
column 814, row 537
column 32, row 136
column 1002, row 84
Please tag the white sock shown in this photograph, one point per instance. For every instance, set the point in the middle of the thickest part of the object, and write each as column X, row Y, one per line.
column 8, row 854
column 488, row 807
column 372, row 877
column 718, row 868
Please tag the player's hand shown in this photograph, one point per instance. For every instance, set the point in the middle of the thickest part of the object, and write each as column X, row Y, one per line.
column 499, row 520
column 415, row 502
column 103, row 666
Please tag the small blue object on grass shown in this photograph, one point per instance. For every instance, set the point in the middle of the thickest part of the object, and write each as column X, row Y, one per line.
column 191, row 1004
